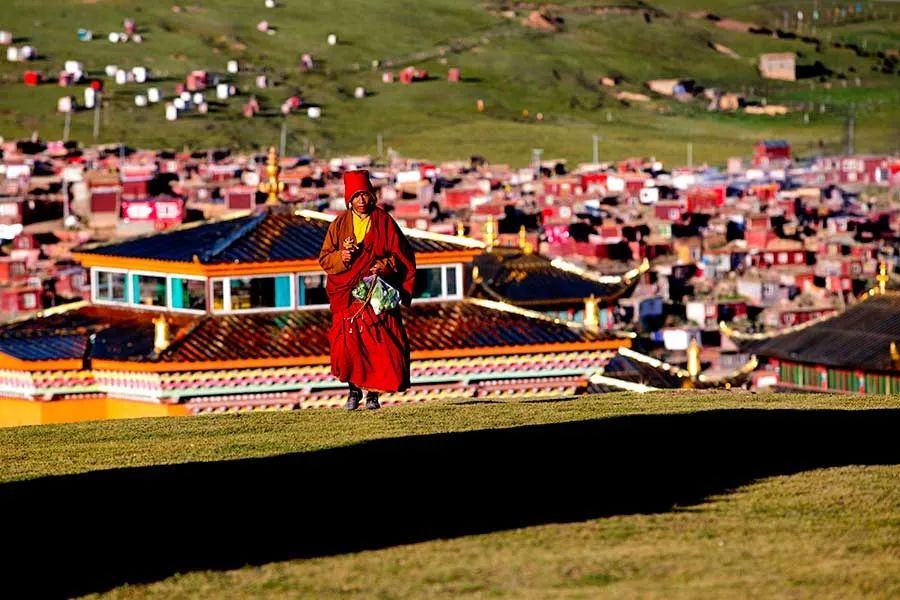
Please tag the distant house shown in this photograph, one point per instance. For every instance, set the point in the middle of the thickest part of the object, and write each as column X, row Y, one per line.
column 778, row 65
column 770, row 153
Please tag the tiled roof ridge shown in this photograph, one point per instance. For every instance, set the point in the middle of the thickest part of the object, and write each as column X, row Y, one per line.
column 57, row 332
column 47, row 312
column 182, row 335
column 408, row 231
column 244, row 229
column 539, row 316
column 822, row 320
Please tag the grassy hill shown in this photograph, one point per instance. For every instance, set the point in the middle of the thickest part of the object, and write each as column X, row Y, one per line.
column 509, row 66
column 681, row 495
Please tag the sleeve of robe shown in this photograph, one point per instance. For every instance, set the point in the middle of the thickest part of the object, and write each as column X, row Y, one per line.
column 330, row 255
column 402, row 261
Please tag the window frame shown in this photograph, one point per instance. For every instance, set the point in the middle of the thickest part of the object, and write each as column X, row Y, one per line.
column 95, row 281
column 297, row 277
column 165, row 306
column 226, row 290
column 192, row 311
column 444, row 295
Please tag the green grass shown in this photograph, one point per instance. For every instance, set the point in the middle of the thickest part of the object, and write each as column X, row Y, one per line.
column 508, row 66
column 822, row 533
column 37, row 451
column 831, row 533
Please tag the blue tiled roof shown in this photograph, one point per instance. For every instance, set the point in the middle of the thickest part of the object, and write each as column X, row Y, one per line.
column 44, row 347
column 261, row 237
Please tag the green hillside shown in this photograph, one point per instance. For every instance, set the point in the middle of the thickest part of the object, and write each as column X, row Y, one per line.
column 666, row 495
column 507, row 65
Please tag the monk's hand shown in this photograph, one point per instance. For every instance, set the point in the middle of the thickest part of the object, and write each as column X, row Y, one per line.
column 377, row 268
column 346, row 256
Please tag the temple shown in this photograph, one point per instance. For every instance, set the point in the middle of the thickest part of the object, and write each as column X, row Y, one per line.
column 854, row 352
column 231, row 314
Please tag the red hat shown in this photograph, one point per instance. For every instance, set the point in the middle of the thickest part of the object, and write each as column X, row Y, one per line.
column 356, row 181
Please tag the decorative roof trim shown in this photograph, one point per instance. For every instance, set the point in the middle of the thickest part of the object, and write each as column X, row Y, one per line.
column 628, row 386
column 627, row 277
column 741, row 336
column 47, row 312
column 531, row 314
column 17, row 364
column 745, row 369
column 172, row 366
column 656, row 364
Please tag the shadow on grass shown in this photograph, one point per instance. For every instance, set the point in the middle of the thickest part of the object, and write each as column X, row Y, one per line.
column 69, row 535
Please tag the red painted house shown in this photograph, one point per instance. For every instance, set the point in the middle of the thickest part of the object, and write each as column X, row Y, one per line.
column 240, row 197
column 705, row 199
column 769, row 153
column 19, row 299
column 12, row 270
column 136, row 180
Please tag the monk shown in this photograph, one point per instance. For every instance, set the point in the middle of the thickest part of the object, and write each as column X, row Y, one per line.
column 368, row 351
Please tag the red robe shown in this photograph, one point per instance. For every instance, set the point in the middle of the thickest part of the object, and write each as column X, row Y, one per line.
column 368, row 350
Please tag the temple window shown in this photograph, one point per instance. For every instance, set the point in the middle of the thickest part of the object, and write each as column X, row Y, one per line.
column 252, row 293
column 218, row 293
column 188, row 294
column 440, row 281
column 110, row 286
column 311, row 290
column 149, row 290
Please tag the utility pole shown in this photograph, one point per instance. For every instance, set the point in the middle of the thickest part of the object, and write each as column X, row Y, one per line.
column 851, row 131
column 596, row 139
column 67, row 126
column 536, row 159
column 97, row 117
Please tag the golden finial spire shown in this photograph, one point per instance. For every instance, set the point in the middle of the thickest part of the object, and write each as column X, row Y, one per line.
column 693, row 365
column 882, row 277
column 489, row 232
column 271, row 185
column 460, row 229
column 591, row 312
column 895, row 355
column 161, row 339
column 526, row 246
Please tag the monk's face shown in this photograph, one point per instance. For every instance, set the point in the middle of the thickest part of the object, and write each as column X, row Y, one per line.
column 362, row 203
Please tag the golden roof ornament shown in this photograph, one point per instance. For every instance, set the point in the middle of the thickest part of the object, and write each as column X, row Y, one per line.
column 526, row 246
column 693, row 365
column 895, row 355
column 460, row 229
column 882, row 277
column 271, row 185
column 591, row 312
column 489, row 238
column 161, row 339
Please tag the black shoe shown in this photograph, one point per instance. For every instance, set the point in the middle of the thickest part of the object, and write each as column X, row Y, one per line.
column 372, row 401
column 353, row 399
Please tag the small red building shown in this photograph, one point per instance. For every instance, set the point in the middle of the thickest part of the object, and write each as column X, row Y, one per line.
column 768, row 153
column 12, row 270
column 16, row 300
column 707, row 198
